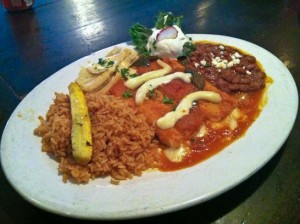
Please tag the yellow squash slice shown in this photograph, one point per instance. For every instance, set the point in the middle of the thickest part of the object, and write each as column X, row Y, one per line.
column 81, row 136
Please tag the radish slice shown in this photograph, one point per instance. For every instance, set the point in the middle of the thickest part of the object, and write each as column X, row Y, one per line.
column 169, row 32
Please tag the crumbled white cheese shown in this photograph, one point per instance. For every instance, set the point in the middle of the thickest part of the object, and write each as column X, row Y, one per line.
column 237, row 55
column 218, row 59
column 203, row 62
column 219, row 63
column 230, row 64
column 236, row 61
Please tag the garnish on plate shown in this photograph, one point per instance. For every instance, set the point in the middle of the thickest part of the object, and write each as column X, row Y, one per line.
column 166, row 39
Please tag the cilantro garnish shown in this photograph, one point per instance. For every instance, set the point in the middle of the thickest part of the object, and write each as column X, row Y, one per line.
column 125, row 74
column 166, row 19
column 105, row 63
column 188, row 48
column 139, row 35
column 167, row 100
column 127, row 94
column 151, row 93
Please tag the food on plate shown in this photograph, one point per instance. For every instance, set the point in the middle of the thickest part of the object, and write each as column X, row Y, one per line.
column 170, row 119
column 123, row 142
column 137, row 81
column 153, row 108
column 227, row 68
column 81, row 136
column 166, row 39
column 96, row 75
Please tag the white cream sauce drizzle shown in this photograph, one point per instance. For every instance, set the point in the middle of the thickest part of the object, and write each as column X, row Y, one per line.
column 183, row 108
column 154, row 83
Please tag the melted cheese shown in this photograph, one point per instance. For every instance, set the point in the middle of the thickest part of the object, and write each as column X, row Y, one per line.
column 230, row 121
column 202, row 131
column 183, row 108
column 154, row 83
column 176, row 155
column 139, row 80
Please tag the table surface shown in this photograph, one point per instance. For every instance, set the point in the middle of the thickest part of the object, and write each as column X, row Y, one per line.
column 36, row 43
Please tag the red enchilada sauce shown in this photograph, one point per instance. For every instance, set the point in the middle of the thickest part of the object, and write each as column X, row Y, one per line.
column 216, row 140
column 243, row 90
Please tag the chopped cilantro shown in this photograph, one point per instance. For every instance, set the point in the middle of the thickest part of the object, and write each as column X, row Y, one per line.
column 207, row 64
column 127, row 94
column 101, row 61
column 110, row 64
column 188, row 48
column 167, row 100
column 125, row 74
column 182, row 59
column 104, row 63
column 133, row 75
column 151, row 93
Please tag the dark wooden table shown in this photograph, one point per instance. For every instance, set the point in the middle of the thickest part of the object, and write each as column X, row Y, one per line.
column 36, row 43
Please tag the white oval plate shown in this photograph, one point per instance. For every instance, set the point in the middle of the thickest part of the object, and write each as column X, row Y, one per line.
column 35, row 176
